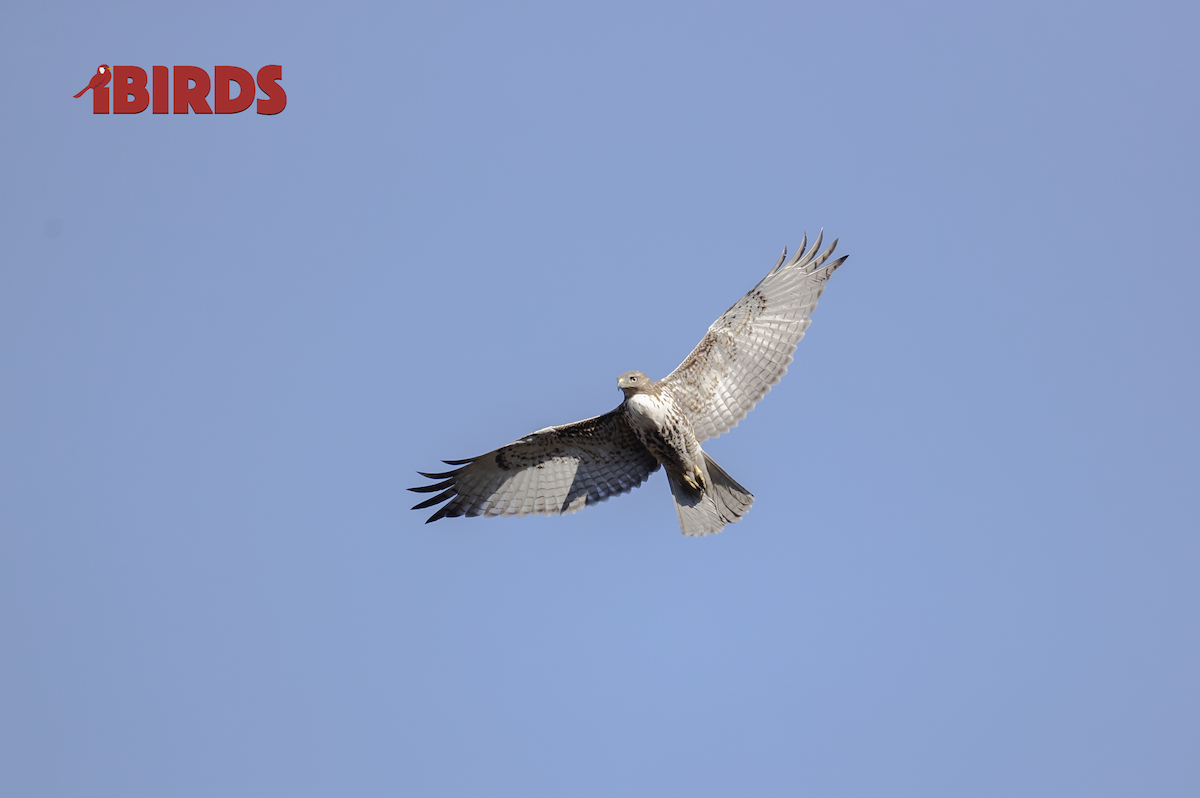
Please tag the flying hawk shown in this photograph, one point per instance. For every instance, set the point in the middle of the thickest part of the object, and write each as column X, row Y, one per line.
column 563, row 469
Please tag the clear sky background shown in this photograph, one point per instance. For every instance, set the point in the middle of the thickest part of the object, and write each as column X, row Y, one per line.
column 227, row 343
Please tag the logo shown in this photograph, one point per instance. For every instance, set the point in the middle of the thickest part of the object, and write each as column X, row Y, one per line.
column 188, row 87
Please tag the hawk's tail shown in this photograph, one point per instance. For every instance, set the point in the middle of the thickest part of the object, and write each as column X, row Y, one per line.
column 707, row 512
column 731, row 499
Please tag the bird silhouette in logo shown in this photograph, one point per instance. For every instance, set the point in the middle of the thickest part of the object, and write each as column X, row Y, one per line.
column 101, row 78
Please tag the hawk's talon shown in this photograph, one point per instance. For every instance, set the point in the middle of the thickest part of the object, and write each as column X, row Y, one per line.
column 695, row 480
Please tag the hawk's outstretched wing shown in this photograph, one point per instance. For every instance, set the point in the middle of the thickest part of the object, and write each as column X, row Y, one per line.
column 554, row 470
column 748, row 349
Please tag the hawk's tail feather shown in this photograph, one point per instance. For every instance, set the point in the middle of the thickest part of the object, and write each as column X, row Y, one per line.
column 697, row 513
column 731, row 499
column 706, row 512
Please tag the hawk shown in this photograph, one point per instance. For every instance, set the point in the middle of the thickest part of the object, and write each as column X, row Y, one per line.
column 562, row 469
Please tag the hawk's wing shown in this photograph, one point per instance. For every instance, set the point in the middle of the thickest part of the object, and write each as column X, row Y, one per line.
column 748, row 349
column 554, row 470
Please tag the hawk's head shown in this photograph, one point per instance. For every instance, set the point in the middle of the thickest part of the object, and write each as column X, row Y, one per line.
column 634, row 382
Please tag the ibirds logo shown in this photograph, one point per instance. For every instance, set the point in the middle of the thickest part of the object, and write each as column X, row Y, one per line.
column 189, row 89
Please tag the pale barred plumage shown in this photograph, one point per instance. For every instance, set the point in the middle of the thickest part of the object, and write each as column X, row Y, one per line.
column 749, row 348
column 562, row 469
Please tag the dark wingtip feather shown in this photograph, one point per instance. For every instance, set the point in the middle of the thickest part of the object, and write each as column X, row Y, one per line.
column 431, row 488
column 443, row 480
column 441, row 513
column 441, row 497
column 442, row 475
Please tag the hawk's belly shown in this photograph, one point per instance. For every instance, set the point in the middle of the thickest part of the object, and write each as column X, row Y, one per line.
column 665, row 431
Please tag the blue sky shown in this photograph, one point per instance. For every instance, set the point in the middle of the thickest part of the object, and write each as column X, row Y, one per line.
column 228, row 342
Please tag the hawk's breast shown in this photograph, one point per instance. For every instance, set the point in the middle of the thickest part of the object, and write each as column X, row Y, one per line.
column 648, row 412
column 664, row 430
